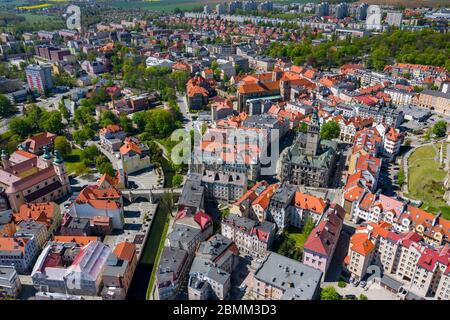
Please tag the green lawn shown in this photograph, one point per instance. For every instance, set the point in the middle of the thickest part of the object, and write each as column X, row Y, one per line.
column 74, row 164
column 298, row 236
column 425, row 180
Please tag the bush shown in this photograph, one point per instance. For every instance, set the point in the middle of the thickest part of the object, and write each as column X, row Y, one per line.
column 363, row 297
column 342, row 284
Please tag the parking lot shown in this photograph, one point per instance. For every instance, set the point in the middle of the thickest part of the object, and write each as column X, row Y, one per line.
column 373, row 291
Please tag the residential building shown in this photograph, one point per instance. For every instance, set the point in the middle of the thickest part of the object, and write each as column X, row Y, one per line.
column 251, row 237
column 280, row 209
column 119, row 271
column 36, row 143
column 192, row 196
column 422, row 269
column 134, row 155
column 171, row 273
column 39, row 78
column 318, row 250
column 392, row 143
column 19, row 252
column 210, row 274
column 243, row 206
column 434, row 100
column 306, row 206
column 281, row 278
column 10, row 285
column 111, row 137
column 48, row 213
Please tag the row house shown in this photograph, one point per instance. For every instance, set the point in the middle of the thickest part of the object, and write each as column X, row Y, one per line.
column 403, row 217
column 422, row 269
column 251, row 237
column 349, row 127
column 319, row 248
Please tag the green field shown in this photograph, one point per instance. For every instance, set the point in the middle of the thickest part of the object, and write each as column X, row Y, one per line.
column 425, row 180
column 74, row 164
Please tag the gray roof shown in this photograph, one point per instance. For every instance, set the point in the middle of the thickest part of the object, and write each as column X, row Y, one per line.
column 200, row 266
column 439, row 94
column 214, row 247
column 115, row 267
column 30, row 227
column 218, row 275
column 284, row 194
column 182, row 234
column 298, row 281
column 390, row 282
column 248, row 224
column 171, row 262
column 323, row 159
column 5, row 216
column 6, row 275
column 192, row 193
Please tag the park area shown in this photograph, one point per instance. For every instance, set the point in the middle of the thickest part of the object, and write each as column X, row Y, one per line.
column 425, row 179
column 293, row 239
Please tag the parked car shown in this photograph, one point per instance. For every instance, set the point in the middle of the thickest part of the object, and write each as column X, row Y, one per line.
column 362, row 284
column 243, row 288
column 356, row 283
column 349, row 296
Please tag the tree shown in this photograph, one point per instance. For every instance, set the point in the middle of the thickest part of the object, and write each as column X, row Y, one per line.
column 401, row 178
column 20, row 126
column 63, row 110
column 63, row 146
column 363, row 297
column 6, row 107
column 126, row 123
column 440, row 128
column 177, row 180
column 89, row 153
column 53, row 123
column 330, row 130
column 329, row 293
column 107, row 118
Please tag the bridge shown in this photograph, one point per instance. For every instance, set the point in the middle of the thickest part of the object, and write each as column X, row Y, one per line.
column 151, row 195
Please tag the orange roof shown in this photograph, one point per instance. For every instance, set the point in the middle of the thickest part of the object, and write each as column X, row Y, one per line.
column 7, row 230
column 40, row 212
column 25, row 154
column 107, row 178
column 125, row 251
column 100, row 198
column 130, row 146
column 13, row 244
column 264, row 198
column 361, row 244
column 111, row 128
column 80, row 240
column 309, row 202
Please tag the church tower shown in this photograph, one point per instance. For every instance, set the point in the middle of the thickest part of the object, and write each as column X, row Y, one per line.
column 60, row 170
column 312, row 135
column 47, row 157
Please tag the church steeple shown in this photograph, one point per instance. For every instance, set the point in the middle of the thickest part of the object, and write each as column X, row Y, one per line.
column 312, row 135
